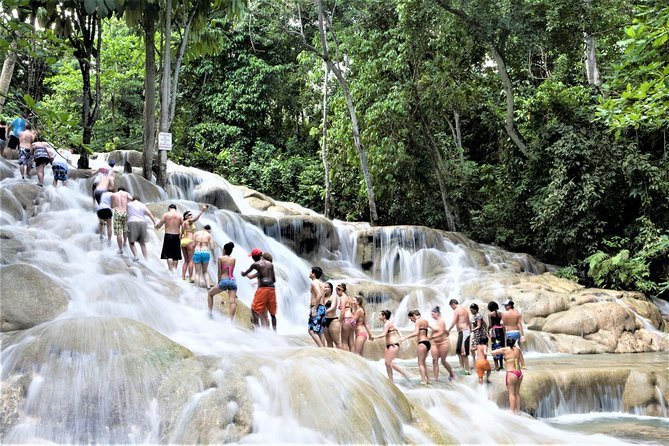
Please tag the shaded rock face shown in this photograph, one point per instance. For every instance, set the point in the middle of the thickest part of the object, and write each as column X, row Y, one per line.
column 53, row 366
column 138, row 185
column 133, row 158
column 28, row 195
column 216, row 196
column 7, row 169
column 29, row 297
column 223, row 412
column 10, row 208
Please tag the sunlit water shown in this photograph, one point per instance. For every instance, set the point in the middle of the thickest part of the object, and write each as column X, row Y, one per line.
column 62, row 241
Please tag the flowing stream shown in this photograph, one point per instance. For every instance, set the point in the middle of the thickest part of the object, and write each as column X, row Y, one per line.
column 84, row 388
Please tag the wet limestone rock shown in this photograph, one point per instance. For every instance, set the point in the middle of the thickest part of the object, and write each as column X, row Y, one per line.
column 7, row 169
column 10, row 246
column 138, row 185
column 223, row 413
column 29, row 297
column 29, row 195
column 10, row 206
column 216, row 196
column 242, row 312
column 257, row 200
column 133, row 157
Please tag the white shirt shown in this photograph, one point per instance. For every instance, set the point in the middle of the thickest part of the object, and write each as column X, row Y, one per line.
column 136, row 211
column 105, row 201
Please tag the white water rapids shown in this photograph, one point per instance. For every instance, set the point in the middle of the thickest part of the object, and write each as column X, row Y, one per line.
column 297, row 395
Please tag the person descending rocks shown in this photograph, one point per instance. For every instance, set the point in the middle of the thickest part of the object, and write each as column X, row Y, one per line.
column 204, row 246
column 513, row 324
column 226, row 280
column 392, row 336
column 316, row 320
column 137, row 213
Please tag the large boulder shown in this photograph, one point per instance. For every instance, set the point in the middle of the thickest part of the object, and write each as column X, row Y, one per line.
column 98, row 376
column 242, row 312
column 10, row 246
column 29, row 297
column 132, row 157
column 139, row 186
column 10, row 208
column 216, row 196
column 7, row 169
column 28, row 195
column 224, row 413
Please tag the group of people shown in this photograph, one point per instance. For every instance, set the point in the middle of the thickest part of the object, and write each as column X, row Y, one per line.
column 20, row 136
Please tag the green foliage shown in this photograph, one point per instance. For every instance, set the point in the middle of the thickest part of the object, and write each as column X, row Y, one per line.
column 639, row 87
column 569, row 272
column 644, row 269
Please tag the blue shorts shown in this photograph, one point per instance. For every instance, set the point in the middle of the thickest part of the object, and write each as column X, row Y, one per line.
column 514, row 334
column 59, row 171
column 317, row 321
column 227, row 284
column 201, row 256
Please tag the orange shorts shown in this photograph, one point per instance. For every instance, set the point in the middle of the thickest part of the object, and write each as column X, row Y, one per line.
column 265, row 298
column 482, row 366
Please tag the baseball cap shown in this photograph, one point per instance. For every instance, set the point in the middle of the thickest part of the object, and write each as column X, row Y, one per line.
column 507, row 302
column 255, row 252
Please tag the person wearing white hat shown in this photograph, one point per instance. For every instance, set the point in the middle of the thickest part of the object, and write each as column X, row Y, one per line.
column 513, row 325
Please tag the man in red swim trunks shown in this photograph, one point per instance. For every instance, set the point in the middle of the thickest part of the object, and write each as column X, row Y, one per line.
column 265, row 296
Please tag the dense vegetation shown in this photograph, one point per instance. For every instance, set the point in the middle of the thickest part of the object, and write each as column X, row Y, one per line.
column 537, row 125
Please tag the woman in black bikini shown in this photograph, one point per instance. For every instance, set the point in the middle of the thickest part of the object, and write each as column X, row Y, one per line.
column 423, row 343
column 332, row 325
column 392, row 337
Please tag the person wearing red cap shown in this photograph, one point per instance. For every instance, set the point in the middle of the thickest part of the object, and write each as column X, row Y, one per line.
column 265, row 296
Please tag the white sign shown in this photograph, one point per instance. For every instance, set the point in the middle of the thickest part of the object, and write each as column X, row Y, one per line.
column 164, row 141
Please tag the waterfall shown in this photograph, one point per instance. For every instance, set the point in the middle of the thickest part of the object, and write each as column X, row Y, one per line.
column 134, row 358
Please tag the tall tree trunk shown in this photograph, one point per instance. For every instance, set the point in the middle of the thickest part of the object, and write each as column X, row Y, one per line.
column 510, row 104
column 326, row 166
column 373, row 216
column 591, row 68
column 161, row 177
column 7, row 73
column 149, row 137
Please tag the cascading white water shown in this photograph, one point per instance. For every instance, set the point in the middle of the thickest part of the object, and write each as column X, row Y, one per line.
column 80, row 385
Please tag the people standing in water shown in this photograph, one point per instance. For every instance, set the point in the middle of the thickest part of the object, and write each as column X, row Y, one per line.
column 346, row 319
column 513, row 325
column 441, row 344
column 171, row 252
column 265, row 295
column 424, row 344
column 514, row 376
column 103, row 181
column 13, row 132
column 26, row 138
column 496, row 333
column 204, row 245
column 464, row 326
column 479, row 329
column 104, row 211
column 42, row 153
column 316, row 319
column 332, row 324
column 392, row 336
column 226, row 280
column 137, row 213
column 120, row 200
column 482, row 364
column 187, row 243
column 362, row 332
column 61, row 166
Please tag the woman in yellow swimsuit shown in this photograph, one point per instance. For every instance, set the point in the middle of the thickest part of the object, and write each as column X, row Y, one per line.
column 187, row 242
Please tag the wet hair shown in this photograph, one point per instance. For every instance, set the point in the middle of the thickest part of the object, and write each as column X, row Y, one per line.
column 483, row 340
column 329, row 284
column 207, row 227
column 508, row 303
column 267, row 256
column 318, row 271
column 453, row 302
column 28, row 126
column 510, row 342
column 120, row 188
column 187, row 213
column 492, row 306
column 228, row 247
column 386, row 314
column 359, row 299
column 436, row 310
column 342, row 286
column 172, row 206
column 474, row 307
column 414, row 313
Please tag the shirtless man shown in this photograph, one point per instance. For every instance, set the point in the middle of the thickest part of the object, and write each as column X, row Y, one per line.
column 137, row 213
column 464, row 326
column 120, row 200
column 26, row 140
column 513, row 325
column 265, row 296
column 204, row 246
column 171, row 243
column 317, row 307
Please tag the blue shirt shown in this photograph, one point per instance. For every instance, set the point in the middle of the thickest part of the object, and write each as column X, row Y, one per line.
column 18, row 125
